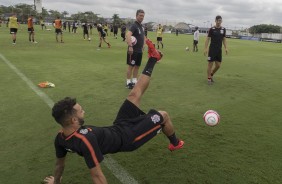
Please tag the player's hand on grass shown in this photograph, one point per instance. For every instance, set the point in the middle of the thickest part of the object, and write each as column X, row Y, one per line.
column 49, row 180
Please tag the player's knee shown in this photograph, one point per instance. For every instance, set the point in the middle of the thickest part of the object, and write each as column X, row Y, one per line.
column 134, row 95
column 164, row 115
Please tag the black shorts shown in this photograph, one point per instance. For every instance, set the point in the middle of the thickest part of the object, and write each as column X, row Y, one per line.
column 195, row 42
column 215, row 55
column 134, row 59
column 142, row 127
column 116, row 32
column 159, row 39
column 30, row 30
column 58, row 31
column 85, row 32
column 13, row 30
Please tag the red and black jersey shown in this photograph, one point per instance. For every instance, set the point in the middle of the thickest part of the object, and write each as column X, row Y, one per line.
column 91, row 142
column 131, row 129
column 216, row 35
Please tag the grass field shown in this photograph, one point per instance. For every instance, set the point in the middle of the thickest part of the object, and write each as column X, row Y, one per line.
column 245, row 147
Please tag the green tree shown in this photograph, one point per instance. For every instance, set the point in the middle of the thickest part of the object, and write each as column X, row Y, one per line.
column 116, row 19
column 55, row 13
column 264, row 28
column 65, row 13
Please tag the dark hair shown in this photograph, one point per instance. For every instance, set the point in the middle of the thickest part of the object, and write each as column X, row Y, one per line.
column 218, row 17
column 139, row 11
column 63, row 109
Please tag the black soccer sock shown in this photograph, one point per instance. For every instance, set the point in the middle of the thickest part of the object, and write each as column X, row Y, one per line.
column 173, row 140
column 162, row 45
column 148, row 70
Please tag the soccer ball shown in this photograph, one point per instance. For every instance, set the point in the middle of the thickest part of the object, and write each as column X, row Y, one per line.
column 89, row 39
column 211, row 118
column 187, row 48
column 133, row 40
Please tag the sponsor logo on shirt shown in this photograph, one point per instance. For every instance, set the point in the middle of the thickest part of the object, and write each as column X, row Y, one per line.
column 155, row 118
column 83, row 131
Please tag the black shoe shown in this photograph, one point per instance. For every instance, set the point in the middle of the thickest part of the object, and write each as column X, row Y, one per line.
column 129, row 86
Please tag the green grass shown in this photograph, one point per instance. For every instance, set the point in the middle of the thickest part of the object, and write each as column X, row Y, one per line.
column 244, row 148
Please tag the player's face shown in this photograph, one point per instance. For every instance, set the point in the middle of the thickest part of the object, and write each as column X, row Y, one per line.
column 218, row 22
column 79, row 113
column 140, row 17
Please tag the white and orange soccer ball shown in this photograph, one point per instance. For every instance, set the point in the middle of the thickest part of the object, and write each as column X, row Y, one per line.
column 211, row 118
column 133, row 40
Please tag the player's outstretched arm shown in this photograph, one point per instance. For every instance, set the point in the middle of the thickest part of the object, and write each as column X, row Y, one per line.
column 98, row 176
column 59, row 169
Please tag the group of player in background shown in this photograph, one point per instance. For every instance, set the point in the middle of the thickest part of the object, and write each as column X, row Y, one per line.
column 216, row 37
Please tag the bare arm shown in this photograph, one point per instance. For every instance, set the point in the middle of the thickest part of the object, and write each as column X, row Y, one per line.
column 128, row 40
column 206, row 45
column 59, row 169
column 225, row 45
column 97, row 175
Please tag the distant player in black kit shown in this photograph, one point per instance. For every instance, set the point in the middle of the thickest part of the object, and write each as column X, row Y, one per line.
column 217, row 36
column 85, row 31
column 115, row 29
column 102, row 35
column 131, row 129
column 123, row 31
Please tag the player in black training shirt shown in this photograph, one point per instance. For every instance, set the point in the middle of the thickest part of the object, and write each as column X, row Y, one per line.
column 85, row 31
column 131, row 129
column 134, row 52
column 102, row 35
column 216, row 37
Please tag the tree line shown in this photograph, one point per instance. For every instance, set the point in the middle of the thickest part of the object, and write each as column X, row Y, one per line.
column 24, row 10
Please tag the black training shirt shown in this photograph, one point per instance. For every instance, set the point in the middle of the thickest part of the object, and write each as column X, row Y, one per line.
column 216, row 35
column 138, row 32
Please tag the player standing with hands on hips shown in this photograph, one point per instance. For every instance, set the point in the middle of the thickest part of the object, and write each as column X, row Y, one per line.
column 134, row 53
column 216, row 37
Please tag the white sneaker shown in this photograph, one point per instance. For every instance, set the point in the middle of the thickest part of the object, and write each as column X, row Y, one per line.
column 35, row 42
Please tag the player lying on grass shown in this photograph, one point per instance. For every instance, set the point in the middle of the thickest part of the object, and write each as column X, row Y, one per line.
column 131, row 129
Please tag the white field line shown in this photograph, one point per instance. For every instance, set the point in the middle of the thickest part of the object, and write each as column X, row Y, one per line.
column 118, row 171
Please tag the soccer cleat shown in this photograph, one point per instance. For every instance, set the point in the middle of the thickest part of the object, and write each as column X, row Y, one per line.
column 171, row 147
column 210, row 82
column 129, row 86
column 35, row 42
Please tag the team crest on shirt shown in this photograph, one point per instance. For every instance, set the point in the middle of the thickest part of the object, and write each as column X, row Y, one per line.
column 83, row 131
column 155, row 118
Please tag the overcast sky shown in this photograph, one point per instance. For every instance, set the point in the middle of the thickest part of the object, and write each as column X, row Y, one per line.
column 235, row 13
